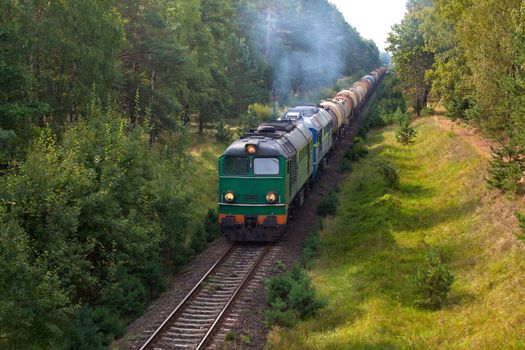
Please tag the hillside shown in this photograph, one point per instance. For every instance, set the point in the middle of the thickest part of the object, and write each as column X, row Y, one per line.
column 379, row 238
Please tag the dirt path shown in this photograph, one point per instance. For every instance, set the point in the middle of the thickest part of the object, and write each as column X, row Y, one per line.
column 467, row 133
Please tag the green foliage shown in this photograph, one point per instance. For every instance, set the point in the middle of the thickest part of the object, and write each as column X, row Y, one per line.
column 33, row 305
column 433, row 280
column 291, row 297
column 296, row 63
column 102, row 214
column 206, row 232
column 328, row 205
column 357, row 151
column 389, row 98
column 310, row 248
column 506, row 167
column 411, row 57
column 405, row 133
column 199, row 239
column 521, row 223
column 387, row 171
column 373, row 247
column 346, row 165
column 97, row 210
column 427, row 112
column 255, row 115
column 223, row 133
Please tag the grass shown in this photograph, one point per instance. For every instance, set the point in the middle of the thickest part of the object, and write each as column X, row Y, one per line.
column 373, row 247
column 205, row 153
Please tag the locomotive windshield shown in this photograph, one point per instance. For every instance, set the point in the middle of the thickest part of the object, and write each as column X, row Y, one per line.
column 236, row 166
column 266, row 166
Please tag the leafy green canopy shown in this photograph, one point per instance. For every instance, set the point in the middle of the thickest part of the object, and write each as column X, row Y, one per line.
column 475, row 66
column 96, row 218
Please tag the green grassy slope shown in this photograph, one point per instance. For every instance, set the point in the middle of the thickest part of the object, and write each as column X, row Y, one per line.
column 372, row 248
column 205, row 153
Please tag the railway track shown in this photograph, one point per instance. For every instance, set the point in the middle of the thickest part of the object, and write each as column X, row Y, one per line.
column 195, row 321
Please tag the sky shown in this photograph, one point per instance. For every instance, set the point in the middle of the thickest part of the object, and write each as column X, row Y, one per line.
column 372, row 18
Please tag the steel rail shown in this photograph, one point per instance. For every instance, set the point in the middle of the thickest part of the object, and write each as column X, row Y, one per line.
column 246, row 278
column 160, row 329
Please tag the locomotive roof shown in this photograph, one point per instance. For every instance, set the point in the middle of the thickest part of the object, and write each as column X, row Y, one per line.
column 275, row 138
column 311, row 116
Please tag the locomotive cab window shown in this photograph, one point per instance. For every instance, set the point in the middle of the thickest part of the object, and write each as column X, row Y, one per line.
column 236, row 166
column 266, row 166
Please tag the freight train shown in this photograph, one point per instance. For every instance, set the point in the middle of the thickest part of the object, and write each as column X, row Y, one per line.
column 265, row 175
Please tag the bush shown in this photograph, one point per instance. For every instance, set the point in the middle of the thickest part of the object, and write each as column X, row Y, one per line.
column 255, row 115
column 223, row 134
column 506, row 167
column 363, row 133
column 405, row 133
column 328, row 205
column 211, row 225
column 310, row 247
column 387, row 171
column 206, row 232
column 84, row 333
column 433, row 282
column 521, row 224
column 427, row 112
column 291, row 297
column 105, row 216
column 199, row 239
column 346, row 165
column 357, row 151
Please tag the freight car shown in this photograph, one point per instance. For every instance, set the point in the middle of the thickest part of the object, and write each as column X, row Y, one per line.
column 265, row 175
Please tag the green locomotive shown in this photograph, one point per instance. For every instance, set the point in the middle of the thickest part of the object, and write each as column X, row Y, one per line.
column 262, row 177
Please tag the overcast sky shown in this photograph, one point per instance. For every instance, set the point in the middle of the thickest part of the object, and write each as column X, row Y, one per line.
column 372, row 18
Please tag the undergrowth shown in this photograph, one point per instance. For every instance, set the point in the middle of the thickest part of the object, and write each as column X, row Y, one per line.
column 291, row 295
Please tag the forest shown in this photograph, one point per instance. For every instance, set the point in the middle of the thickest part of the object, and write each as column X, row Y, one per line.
column 470, row 56
column 99, row 100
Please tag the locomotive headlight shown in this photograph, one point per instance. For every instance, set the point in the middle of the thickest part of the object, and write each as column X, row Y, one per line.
column 251, row 149
column 229, row 196
column 271, row 197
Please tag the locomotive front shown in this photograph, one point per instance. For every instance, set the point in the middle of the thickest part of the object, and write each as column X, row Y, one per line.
column 252, row 191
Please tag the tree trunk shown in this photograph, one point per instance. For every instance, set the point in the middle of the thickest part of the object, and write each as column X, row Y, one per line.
column 201, row 125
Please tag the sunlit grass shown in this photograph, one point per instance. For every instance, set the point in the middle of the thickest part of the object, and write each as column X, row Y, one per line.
column 379, row 237
column 205, row 153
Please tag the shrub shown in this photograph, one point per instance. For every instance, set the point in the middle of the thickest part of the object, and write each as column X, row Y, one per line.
column 506, row 167
column 255, row 115
column 433, row 281
column 206, row 232
column 427, row 112
column 387, row 171
column 363, row 133
column 405, row 133
column 291, row 297
column 521, row 224
column 328, row 205
column 223, row 134
column 346, row 165
column 84, row 333
column 357, row 151
column 211, row 225
column 105, row 216
column 310, row 247
column 199, row 239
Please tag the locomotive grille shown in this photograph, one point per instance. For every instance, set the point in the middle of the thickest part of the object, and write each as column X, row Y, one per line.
column 293, row 170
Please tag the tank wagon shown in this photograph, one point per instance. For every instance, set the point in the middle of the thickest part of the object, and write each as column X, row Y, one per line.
column 265, row 175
